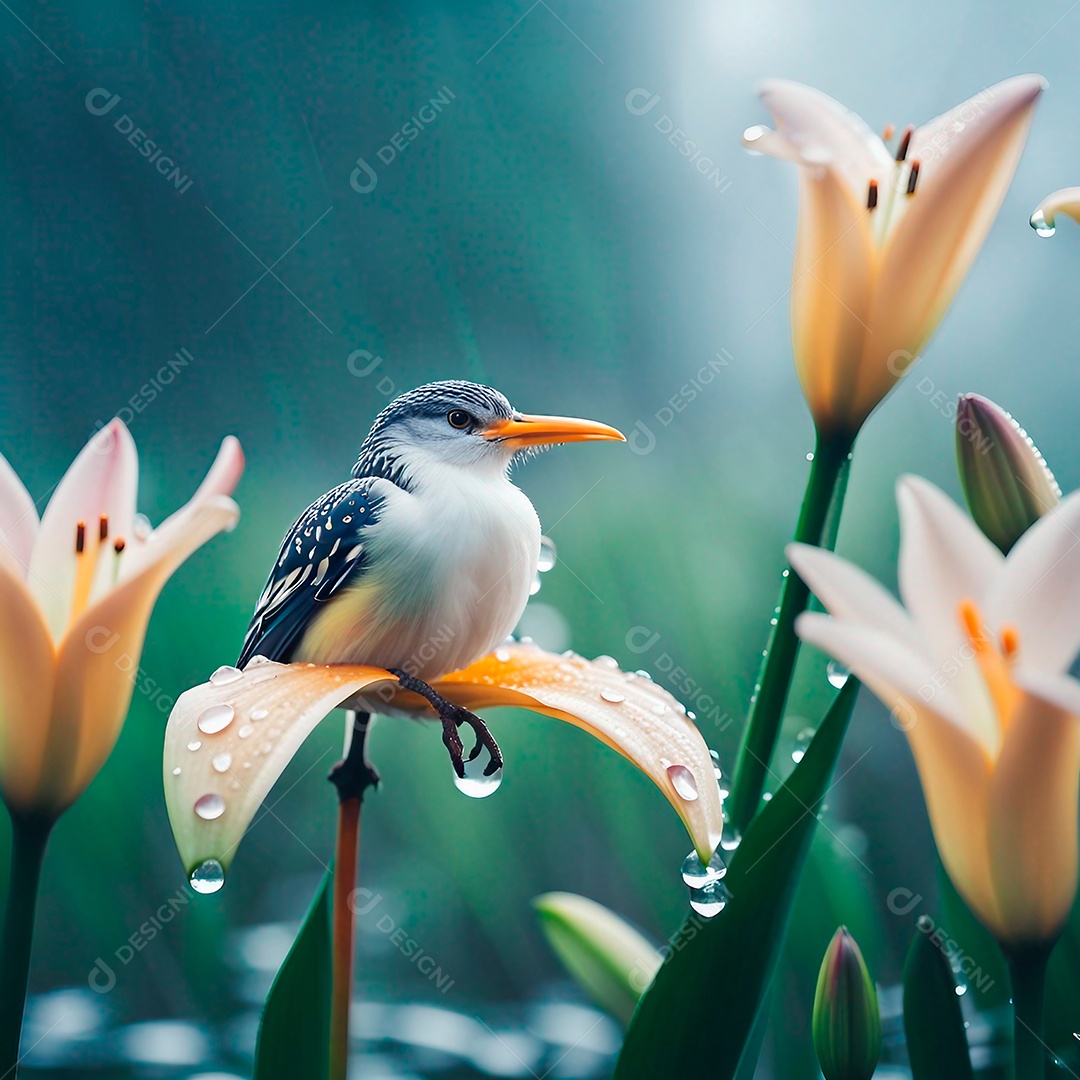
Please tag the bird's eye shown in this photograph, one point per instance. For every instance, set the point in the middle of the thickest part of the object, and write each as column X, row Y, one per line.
column 458, row 418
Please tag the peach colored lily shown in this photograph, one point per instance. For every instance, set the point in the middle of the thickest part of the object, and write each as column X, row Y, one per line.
column 885, row 237
column 228, row 740
column 76, row 592
column 975, row 667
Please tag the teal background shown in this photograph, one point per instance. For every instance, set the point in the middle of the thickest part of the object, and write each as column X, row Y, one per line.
column 539, row 236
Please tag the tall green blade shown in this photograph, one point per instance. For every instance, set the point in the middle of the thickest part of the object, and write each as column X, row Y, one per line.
column 933, row 1024
column 698, row 1016
column 294, row 1033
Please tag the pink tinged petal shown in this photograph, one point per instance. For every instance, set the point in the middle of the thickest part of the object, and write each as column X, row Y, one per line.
column 1066, row 201
column 101, row 481
column 967, row 159
column 849, row 593
column 226, row 745
column 18, row 520
column 630, row 714
column 26, row 691
column 99, row 655
column 1039, row 590
column 1033, row 814
column 225, row 472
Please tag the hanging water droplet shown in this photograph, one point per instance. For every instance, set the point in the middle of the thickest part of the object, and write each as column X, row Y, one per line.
column 225, row 675
column 222, row 762
column 208, row 877
column 723, row 792
column 696, row 875
column 766, row 796
column 837, row 674
column 731, row 840
column 216, row 718
column 502, row 655
column 710, row 900
column 259, row 714
column 1039, row 223
column 961, row 990
column 194, row 744
column 474, row 783
column 534, row 588
column 802, row 743
column 245, row 731
column 612, row 696
column 682, row 780
column 810, row 455
column 641, row 673
column 141, row 527
column 605, row 661
column 546, row 559
column 209, row 806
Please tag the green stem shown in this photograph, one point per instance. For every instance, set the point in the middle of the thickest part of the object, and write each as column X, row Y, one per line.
column 1027, row 972
column 29, row 837
column 818, row 524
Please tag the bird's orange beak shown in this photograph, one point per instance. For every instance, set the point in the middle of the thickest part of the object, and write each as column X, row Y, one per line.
column 523, row 430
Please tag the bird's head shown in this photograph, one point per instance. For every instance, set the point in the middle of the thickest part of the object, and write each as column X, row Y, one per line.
column 464, row 425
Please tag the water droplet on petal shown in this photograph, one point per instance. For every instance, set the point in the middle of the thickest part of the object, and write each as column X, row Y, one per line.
column 641, row 673
column 141, row 527
column 682, row 780
column 613, row 696
column 209, row 806
column 546, row 559
column 208, row 877
column 534, row 588
column 225, row 675
column 245, row 731
column 1039, row 223
column 222, row 762
column 605, row 661
column 710, row 900
column 697, row 876
column 502, row 655
column 961, row 990
column 731, row 841
column 259, row 714
column 474, row 783
column 838, row 675
column 194, row 744
column 176, row 771
column 216, row 718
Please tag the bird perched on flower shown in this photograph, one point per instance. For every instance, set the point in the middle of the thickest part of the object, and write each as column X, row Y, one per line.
column 423, row 562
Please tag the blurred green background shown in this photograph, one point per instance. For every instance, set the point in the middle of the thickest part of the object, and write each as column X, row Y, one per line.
column 539, row 235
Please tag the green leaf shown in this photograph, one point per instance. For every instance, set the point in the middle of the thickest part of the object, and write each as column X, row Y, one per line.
column 699, row 1014
column 933, row 1024
column 294, row 1033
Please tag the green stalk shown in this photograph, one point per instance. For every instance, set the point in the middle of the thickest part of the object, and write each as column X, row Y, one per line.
column 819, row 521
column 1027, row 972
column 29, row 836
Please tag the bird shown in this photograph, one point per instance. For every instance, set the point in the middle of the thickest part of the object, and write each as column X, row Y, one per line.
column 423, row 561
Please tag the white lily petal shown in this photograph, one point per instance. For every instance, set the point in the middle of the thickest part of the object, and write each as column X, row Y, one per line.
column 1039, row 590
column 850, row 593
column 18, row 519
column 944, row 559
column 226, row 745
column 101, row 481
column 632, row 715
column 1065, row 201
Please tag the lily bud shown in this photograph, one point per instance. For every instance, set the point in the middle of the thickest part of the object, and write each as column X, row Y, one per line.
column 1006, row 481
column 610, row 960
column 846, row 1024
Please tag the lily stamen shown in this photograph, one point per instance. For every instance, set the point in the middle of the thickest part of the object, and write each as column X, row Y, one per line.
column 872, row 195
column 994, row 663
column 913, row 178
column 905, row 143
column 887, row 134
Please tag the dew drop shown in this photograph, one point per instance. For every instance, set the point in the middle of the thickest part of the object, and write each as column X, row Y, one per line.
column 216, row 718
column 502, row 655
column 1039, row 223
column 961, row 991
column 710, row 900
column 225, row 675
column 474, row 783
column 608, row 662
column 207, row 877
column 731, row 841
column 194, row 744
column 697, row 876
column 641, row 673
column 837, row 674
column 222, row 762
column 259, row 714
column 245, row 731
column 682, row 780
column 176, row 771
column 209, row 806
column 810, row 456
column 534, row 588
column 802, row 744
column 613, row 697
column 546, row 559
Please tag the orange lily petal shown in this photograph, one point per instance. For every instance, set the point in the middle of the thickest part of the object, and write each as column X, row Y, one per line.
column 629, row 713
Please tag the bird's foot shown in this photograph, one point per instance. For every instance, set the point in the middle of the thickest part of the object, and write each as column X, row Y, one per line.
column 452, row 717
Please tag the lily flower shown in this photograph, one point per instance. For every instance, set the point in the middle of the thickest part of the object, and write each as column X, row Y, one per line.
column 975, row 668
column 76, row 592
column 885, row 235
column 229, row 739
column 1065, row 201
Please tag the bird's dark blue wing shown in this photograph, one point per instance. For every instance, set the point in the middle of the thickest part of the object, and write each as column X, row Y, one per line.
column 323, row 550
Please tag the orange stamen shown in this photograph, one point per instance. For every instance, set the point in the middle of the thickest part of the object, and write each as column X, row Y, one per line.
column 888, row 133
column 994, row 663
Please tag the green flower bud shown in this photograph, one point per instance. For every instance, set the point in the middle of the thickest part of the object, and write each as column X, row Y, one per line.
column 1006, row 482
column 846, row 1024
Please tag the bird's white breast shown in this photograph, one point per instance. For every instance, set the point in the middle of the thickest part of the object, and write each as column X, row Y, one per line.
column 447, row 573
